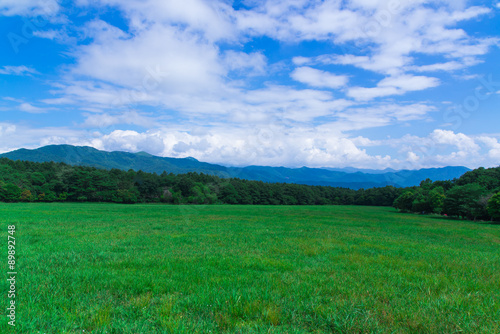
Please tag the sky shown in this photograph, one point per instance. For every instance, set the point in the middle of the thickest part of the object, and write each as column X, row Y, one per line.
column 403, row 84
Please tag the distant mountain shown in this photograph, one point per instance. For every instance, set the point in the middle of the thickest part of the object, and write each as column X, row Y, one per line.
column 89, row 156
column 346, row 177
column 366, row 171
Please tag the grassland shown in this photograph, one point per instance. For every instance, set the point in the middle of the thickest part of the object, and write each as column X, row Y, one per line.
column 106, row 268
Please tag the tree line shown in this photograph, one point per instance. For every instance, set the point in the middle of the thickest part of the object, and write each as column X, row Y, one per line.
column 474, row 196
column 25, row 181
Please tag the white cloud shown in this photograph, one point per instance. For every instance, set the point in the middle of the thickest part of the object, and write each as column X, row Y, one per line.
column 245, row 147
column 366, row 94
column 159, row 57
column 395, row 85
column 469, row 13
column 62, row 35
column 6, row 129
column 448, row 67
column 26, row 107
column 29, row 7
column 413, row 157
column 461, row 141
column 299, row 61
column 273, row 144
column 494, row 148
column 446, row 148
column 416, row 28
column 358, row 118
column 17, row 70
column 49, row 34
column 15, row 136
column 9, row 98
column 132, row 141
column 318, row 78
column 245, row 63
column 105, row 120
column 211, row 19
column 408, row 83
column 277, row 145
column 231, row 106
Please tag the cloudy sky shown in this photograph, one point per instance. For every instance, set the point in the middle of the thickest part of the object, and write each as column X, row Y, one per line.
column 366, row 83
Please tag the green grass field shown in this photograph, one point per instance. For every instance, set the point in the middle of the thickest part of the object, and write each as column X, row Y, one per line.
column 104, row 268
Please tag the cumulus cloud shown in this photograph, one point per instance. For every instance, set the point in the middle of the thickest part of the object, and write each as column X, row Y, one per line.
column 210, row 19
column 301, row 60
column 460, row 140
column 159, row 57
column 318, row 78
column 14, row 136
column 245, row 63
column 446, row 148
column 132, row 141
column 245, row 147
column 6, row 129
column 493, row 146
column 273, row 144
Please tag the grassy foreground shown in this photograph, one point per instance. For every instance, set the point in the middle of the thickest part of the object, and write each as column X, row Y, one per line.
column 105, row 268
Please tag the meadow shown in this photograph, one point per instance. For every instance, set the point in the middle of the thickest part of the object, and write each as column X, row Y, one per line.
column 111, row 268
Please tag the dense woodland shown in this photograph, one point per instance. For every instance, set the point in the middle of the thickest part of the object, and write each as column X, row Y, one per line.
column 50, row 182
column 475, row 195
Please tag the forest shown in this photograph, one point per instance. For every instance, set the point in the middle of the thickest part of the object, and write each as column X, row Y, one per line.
column 475, row 195
column 51, row 182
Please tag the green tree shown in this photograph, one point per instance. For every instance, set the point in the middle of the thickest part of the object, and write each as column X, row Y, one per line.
column 10, row 193
column 463, row 201
column 37, row 178
column 421, row 203
column 436, row 199
column 228, row 194
column 494, row 206
column 185, row 185
column 404, row 202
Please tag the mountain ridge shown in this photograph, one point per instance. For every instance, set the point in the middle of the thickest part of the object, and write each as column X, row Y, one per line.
column 337, row 177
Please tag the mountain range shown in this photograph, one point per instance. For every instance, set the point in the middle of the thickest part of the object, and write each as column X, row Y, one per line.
column 336, row 177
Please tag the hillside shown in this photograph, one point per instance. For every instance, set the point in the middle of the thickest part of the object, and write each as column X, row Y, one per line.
column 347, row 178
column 89, row 156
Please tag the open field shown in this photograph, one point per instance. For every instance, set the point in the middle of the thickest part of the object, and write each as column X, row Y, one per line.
column 106, row 268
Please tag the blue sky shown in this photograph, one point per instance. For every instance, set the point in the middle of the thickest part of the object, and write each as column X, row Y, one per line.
column 404, row 84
